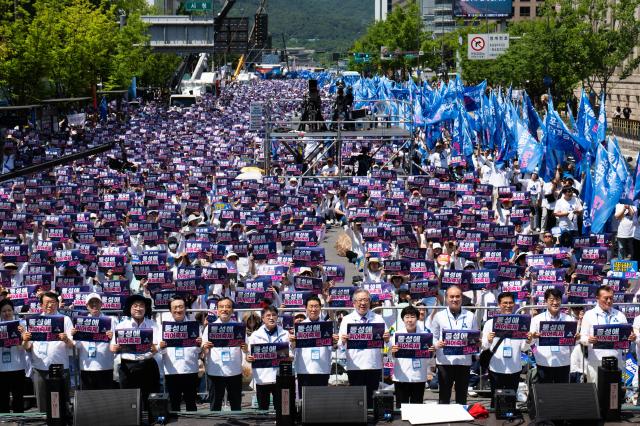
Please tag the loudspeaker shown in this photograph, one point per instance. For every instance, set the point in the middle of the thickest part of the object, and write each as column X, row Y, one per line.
column 505, row 404
column 107, row 407
column 383, row 405
column 158, row 407
column 610, row 393
column 334, row 404
column 566, row 402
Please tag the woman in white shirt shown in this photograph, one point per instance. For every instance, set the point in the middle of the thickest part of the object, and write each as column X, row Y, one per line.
column 180, row 363
column 409, row 374
column 13, row 365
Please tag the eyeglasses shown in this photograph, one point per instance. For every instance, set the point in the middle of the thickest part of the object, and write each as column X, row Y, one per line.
column 363, row 300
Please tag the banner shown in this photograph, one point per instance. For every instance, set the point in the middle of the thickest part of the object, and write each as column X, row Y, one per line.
column 413, row 345
column 511, row 326
column 557, row 333
column 365, row 336
column 180, row 334
column 9, row 334
column 341, row 297
column 461, row 342
column 45, row 328
column 612, row 336
column 226, row 335
column 91, row 329
column 269, row 355
column 134, row 340
column 313, row 335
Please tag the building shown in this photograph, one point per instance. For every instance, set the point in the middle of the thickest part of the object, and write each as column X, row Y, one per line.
column 437, row 16
column 384, row 7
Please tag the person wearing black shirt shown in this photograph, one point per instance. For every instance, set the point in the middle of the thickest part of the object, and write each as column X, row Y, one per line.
column 364, row 162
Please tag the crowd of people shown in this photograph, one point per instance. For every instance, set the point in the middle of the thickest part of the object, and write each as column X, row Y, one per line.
column 178, row 267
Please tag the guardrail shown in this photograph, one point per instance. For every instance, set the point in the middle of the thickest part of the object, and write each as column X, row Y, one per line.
column 626, row 128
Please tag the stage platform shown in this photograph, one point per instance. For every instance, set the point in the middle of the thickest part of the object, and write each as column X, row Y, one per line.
column 376, row 132
column 250, row 417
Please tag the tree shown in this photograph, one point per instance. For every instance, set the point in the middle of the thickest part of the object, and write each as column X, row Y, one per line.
column 401, row 32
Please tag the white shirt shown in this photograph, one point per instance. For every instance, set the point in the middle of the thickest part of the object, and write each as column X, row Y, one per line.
column 437, row 159
column 444, row 320
column 361, row 359
column 43, row 354
column 95, row 356
column 13, row 358
column 625, row 224
column 547, row 189
column 131, row 323
column 506, row 359
column 548, row 356
column 568, row 223
column 266, row 376
column 313, row 360
column 597, row 316
column 408, row 369
column 222, row 362
column 179, row 360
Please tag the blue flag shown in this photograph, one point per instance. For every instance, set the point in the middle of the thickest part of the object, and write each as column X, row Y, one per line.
column 530, row 151
column 103, row 109
column 133, row 90
column 607, row 189
column 586, row 195
column 602, row 121
column 472, row 96
column 636, row 187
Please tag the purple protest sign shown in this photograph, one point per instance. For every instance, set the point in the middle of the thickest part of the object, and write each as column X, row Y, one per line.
column 134, row 340
column 313, row 335
column 511, row 326
column 461, row 342
column 226, row 335
column 365, row 336
column 269, row 355
column 413, row 345
column 91, row 329
column 557, row 333
column 180, row 334
column 9, row 334
column 45, row 328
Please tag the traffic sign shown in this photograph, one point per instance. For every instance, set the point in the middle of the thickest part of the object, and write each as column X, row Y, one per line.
column 487, row 46
column 197, row 5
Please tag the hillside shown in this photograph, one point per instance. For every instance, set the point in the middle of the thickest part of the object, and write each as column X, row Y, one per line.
column 321, row 24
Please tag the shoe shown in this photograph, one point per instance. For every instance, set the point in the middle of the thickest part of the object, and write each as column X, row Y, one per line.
column 471, row 392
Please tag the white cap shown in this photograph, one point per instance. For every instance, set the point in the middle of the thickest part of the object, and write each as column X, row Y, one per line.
column 304, row 269
column 93, row 296
column 436, row 246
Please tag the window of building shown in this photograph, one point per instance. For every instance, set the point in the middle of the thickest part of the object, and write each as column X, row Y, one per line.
column 525, row 11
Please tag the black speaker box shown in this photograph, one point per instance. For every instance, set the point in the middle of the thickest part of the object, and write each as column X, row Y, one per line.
column 107, row 407
column 334, row 404
column 572, row 403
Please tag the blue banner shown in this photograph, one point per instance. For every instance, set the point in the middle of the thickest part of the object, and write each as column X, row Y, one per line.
column 226, row 335
column 314, row 334
column 461, row 342
column 612, row 336
column 134, row 340
column 269, row 355
column 413, row 345
column 45, row 328
column 511, row 326
column 180, row 334
column 92, row 329
column 557, row 333
column 9, row 334
column 365, row 336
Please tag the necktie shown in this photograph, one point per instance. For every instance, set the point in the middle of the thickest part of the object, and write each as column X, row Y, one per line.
column 363, row 319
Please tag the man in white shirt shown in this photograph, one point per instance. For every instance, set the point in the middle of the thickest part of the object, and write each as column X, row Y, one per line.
column 224, row 365
column 180, row 363
column 265, row 378
column 312, row 365
column 96, row 358
column 43, row 354
column 624, row 214
column 603, row 314
column 438, row 158
column 138, row 370
column 553, row 362
column 505, row 366
column 452, row 368
column 329, row 169
column 567, row 210
column 364, row 366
